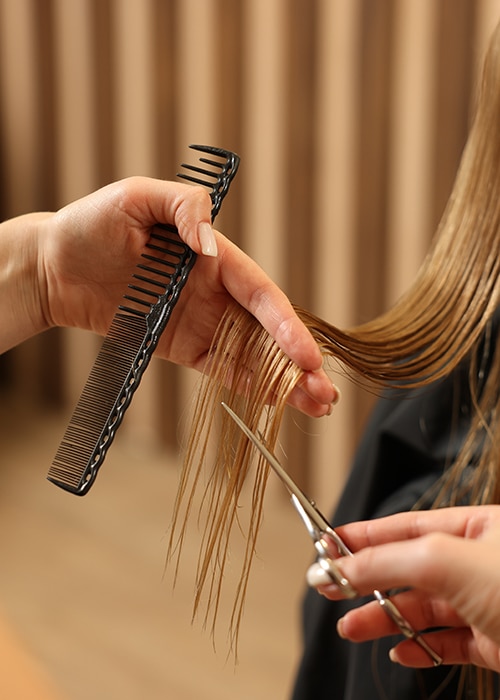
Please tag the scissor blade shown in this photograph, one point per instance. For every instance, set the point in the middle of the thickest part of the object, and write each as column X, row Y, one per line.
column 308, row 512
column 287, row 480
column 290, row 484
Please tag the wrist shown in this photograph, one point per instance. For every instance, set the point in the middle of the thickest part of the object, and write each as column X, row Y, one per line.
column 22, row 288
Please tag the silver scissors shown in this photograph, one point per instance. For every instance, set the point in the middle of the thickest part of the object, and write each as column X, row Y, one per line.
column 321, row 532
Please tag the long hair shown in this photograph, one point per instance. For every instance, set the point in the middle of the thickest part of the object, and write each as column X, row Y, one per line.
column 442, row 320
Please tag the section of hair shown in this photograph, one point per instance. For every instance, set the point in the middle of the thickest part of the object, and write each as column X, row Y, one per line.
column 249, row 372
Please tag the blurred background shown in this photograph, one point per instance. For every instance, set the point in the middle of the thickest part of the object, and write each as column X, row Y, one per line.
column 350, row 117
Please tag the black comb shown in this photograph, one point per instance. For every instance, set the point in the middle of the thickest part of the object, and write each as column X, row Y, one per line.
column 134, row 334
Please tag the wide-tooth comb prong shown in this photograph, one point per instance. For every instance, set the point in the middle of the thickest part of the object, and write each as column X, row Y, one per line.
column 196, row 180
column 132, row 338
column 197, row 169
column 224, row 172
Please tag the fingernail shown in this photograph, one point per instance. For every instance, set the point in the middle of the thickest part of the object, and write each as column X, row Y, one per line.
column 337, row 577
column 317, row 576
column 340, row 628
column 336, row 398
column 393, row 655
column 338, row 395
column 207, row 239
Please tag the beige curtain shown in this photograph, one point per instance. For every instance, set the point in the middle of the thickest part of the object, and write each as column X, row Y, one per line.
column 349, row 117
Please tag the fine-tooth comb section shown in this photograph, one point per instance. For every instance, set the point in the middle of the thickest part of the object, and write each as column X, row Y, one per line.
column 133, row 335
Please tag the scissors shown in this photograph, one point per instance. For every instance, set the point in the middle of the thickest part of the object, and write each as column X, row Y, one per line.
column 321, row 531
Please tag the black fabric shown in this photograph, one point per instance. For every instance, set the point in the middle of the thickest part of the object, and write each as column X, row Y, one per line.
column 406, row 447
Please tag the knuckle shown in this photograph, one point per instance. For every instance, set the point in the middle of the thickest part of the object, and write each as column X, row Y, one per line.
column 429, row 552
column 201, row 195
column 125, row 191
column 194, row 203
column 434, row 544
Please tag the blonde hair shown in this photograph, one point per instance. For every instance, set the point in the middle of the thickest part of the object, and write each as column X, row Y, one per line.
column 439, row 322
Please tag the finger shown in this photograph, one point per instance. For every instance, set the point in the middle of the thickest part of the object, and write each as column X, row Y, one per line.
column 404, row 526
column 437, row 564
column 307, row 405
column 455, row 646
column 313, row 396
column 152, row 201
column 251, row 287
column 193, row 220
column 370, row 621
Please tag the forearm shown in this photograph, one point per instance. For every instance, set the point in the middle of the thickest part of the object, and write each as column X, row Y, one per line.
column 21, row 309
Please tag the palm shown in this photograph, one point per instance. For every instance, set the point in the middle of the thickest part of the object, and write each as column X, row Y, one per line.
column 80, row 286
column 200, row 307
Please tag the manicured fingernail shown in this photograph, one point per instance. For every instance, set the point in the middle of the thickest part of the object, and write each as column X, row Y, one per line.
column 340, row 628
column 336, row 398
column 393, row 656
column 335, row 575
column 317, row 576
column 338, row 395
column 207, row 239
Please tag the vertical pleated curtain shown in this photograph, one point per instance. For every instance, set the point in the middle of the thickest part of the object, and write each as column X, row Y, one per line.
column 349, row 117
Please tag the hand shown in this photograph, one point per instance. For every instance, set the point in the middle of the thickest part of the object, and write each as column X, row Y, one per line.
column 450, row 559
column 73, row 268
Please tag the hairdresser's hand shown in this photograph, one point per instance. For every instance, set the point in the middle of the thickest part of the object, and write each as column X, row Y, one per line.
column 72, row 268
column 451, row 560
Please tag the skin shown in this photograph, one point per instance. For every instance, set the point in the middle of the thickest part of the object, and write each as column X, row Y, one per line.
column 450, row 560
column 71, row 268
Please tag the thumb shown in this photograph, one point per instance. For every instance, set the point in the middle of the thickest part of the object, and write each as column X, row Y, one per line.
column 187, row 207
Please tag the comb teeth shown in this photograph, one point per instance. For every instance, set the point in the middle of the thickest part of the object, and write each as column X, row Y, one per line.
column 97, row 413
column 220, row 177
column 162, row 267
column 134, row 333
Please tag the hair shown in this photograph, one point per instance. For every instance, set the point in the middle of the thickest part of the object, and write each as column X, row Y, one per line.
column 442, row 320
